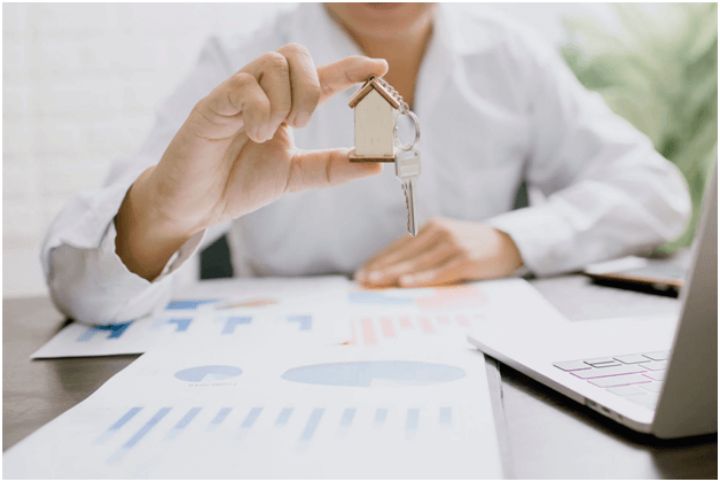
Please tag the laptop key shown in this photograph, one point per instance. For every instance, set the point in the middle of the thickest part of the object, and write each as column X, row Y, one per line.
column 597, row 372
column 625, row 390
column 571, row 366
column 658, row 355
column 602, row 362
column 632, row 358
column 657, row 375
column 619, row 380
column 655, row 365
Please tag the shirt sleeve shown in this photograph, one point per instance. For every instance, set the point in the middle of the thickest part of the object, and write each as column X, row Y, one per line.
column 86, row 278
column 607, row 191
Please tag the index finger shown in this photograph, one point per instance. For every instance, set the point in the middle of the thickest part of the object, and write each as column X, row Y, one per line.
column 344, row 73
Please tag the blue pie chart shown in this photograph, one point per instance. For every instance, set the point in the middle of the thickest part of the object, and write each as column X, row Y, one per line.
column 375, row 373
column 208, row 373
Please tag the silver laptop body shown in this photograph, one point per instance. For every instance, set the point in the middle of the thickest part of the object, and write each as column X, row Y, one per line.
column 654, row 374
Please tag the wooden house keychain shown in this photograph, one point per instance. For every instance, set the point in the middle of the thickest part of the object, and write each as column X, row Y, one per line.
column 378, row 107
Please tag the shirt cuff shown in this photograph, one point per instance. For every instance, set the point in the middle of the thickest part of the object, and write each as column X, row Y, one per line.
column 540, row 235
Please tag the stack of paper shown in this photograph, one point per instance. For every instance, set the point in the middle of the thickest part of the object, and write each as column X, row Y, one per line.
column 287, row 378
column 279, row 409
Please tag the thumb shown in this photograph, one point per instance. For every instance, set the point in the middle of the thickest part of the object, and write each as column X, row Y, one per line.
column 344, row 73
column 313, row 169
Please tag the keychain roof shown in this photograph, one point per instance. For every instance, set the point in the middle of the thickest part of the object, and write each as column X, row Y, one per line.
column 382, row 88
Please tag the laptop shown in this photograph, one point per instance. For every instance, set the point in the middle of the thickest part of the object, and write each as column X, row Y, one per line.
column 656, row 374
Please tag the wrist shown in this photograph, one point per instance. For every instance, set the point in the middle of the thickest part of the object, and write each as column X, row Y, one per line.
column 154, row 212
column 509, row 251
column 146, row 239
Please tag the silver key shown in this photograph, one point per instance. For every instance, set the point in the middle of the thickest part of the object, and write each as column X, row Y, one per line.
column 407, row 169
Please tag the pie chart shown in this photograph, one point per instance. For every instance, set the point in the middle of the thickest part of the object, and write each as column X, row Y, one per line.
column 208, row 373
column 386, row 373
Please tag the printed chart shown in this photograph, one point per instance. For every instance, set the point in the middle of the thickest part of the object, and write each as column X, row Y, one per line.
column 250, row 307
column 373, row 373
column 440, row 315
column 372, row 330
column 447, row 298
column 237, row 409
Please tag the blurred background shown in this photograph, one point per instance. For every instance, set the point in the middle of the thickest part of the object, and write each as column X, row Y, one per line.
column 81, row 83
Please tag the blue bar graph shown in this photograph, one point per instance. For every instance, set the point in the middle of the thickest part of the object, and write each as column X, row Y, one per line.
column 187, row 304
column 378, row 298
column 181, row 324
column 233, row 322
column 187, row 418
column 220, row 416
column 208, row 373
column 445, row 416
column 283, row 417
column 380, row 416
column 125, row 418
column 369, row 373
column 312, row 424
column 304, row 321
column 251, row 417
column 347, row 417
column 412, row 420
column 145, row 429
column 114, row 330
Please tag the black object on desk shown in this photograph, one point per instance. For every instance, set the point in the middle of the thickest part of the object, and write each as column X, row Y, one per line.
column 658, row 276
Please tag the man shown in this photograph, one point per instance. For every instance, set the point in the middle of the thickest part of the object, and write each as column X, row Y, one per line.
column 496, row 107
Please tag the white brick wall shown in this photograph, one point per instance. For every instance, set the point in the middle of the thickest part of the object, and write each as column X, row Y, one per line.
column 80, row 86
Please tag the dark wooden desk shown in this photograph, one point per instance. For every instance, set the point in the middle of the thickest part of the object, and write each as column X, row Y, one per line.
column 543, row 434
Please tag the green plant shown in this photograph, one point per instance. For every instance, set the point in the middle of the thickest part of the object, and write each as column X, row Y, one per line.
column 658, row 69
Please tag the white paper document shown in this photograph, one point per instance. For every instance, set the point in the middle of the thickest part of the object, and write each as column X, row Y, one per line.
column 324, row 309
column 220, row 309
column 384, row 316
column 243, row 408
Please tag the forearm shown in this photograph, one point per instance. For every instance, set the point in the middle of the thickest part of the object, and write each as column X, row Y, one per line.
column 601, row 216
column 145, row 238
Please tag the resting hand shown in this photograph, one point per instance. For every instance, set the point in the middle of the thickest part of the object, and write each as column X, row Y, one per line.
column 445, row 251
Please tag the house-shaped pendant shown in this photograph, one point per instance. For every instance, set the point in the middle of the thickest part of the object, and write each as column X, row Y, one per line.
column 376, row 111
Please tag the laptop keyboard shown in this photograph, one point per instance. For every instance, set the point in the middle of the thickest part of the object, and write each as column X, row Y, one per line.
column 637, row 377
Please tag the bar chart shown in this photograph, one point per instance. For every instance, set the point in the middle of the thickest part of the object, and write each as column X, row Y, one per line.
column 208, row 373
column 296, row 425
column 440, row 298
column 375, row 373
column 374, row 330
column 229, row 324
column 189, row 304
column 110, row 332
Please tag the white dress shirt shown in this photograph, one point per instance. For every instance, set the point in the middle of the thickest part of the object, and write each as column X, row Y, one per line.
column 497, row 107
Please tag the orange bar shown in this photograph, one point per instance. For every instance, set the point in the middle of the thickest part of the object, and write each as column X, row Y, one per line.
column 425, row 324
column 388, row 330
column 369, row 332
column 405, row 322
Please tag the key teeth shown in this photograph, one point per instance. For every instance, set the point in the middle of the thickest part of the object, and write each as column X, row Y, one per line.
column 408, row 208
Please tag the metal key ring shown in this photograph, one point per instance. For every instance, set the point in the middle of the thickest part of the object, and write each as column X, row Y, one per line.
column 416, row 128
